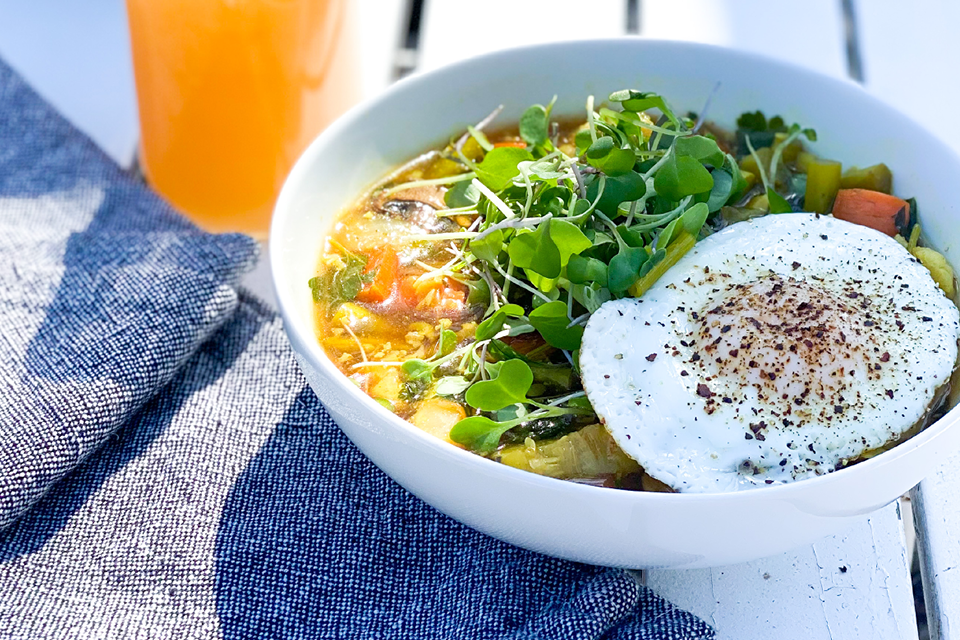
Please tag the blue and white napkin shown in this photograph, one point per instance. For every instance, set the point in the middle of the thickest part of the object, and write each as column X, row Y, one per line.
column 165, row 472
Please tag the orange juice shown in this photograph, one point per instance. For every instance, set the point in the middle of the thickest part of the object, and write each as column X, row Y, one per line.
column 230, row 92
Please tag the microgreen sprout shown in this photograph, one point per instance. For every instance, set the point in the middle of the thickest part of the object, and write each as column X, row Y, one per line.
column 559, row 227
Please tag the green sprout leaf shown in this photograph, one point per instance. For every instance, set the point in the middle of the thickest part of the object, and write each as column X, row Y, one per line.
column 570, row 240
column 534, row 125
column 492, row 325
column 488, row 247
column 694, row 218
column 462, row 194
column 536, row 251
column 591, row 296
column 478, row 433
column 682, row 176
column 478, row 292
column 700, row 148
column 721, row 191
column 451, row 385
column 637, row 101
column 581, row 270
column 417, row 369
column 625, row 268
column 551, row 321
column 447, row 342
column 623, row 188
column 336, row 286
column 499, row 167
column 604, row 154
column 510, row 386
column 778, row 204
column 601, row 148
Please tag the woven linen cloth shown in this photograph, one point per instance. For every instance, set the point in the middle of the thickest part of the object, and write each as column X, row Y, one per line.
column 185, row 481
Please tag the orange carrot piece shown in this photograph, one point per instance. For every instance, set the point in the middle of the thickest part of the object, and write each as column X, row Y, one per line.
column 873, row 209
column 408, row 291
column 520, row 144
column 384, row 268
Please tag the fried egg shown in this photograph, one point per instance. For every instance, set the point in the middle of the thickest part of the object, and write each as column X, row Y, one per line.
column 778, row 349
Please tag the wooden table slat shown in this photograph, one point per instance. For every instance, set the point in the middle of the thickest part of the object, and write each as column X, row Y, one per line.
column 852, row 585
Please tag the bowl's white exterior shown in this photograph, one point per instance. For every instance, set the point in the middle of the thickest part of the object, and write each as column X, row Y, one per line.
column 564, row 519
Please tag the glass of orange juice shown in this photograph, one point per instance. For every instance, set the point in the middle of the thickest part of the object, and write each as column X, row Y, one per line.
column 230, row 92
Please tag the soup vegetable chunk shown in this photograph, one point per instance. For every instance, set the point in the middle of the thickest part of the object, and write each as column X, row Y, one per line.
column 456, row 291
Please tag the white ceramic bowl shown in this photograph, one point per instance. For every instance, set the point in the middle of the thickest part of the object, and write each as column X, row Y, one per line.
column 583, row 523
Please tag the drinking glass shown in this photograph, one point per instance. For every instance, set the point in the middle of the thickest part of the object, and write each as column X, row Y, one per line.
column 230, row 92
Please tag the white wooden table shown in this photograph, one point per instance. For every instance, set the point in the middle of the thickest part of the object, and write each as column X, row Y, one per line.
column 853, row 585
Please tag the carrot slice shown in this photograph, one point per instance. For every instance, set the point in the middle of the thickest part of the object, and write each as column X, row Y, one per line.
column 873, row 209
column 384, row 267
column 408, row 291
column 520, row 144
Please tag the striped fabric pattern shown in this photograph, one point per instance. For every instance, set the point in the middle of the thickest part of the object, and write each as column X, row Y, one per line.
column 165, row 471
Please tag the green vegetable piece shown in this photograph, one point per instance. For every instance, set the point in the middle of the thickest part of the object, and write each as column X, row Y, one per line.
column 654, row 260
column 875, row 178
column 823, row 182
column 499, row 167
column 680, row 177
column 581, row 270
column 551, row 321
column 488, row 247
column 624, row 268
column 658, row 266
column 666, row 236
column 492, row 325
column 462, row 194
column 336, row 286
column 386, row 404
column 778, row 204
column 510, row 386
column 623, row 188
column 316, row 288
column 534, row 125
column 535, row 250
column 478, row 433
column 700, row 148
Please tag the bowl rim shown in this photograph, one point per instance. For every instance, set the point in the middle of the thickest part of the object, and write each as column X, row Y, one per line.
column 301, row 331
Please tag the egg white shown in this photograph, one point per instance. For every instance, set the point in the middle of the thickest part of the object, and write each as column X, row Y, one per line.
column 777, row 349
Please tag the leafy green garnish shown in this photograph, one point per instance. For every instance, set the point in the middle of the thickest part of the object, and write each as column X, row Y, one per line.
column 492, row 325
column 682, row 176
column 335, row 286
column 499, row 167
column 555, row 236
column 778, row 204
column 509, row 386
column 551, row 321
